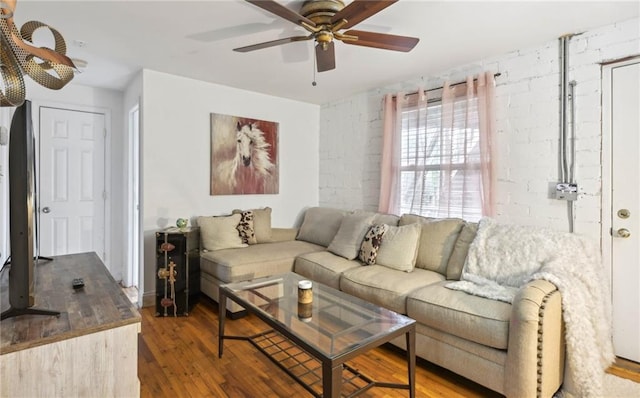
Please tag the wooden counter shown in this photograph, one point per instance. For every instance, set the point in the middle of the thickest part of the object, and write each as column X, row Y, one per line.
column 89, row 350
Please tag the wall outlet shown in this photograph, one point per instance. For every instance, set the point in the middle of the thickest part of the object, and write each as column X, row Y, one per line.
column 566, row 191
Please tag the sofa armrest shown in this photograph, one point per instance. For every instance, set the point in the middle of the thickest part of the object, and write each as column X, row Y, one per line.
column 283, row 234
column 535, row 357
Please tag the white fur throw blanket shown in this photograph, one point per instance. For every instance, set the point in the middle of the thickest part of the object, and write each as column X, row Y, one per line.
column 503, row 258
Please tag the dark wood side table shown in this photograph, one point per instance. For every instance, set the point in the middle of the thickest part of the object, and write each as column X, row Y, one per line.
column 177, row 270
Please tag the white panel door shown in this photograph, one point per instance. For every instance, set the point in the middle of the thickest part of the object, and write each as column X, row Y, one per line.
column 71, row 182
column 625, row 209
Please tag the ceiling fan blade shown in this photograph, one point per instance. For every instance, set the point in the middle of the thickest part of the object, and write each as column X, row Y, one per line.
column 272, row 43
column 359, row 10
column 281, row 11
column 326, row 57
column 381, row 40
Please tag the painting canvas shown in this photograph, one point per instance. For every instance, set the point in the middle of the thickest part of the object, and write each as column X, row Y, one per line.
column 244, row 156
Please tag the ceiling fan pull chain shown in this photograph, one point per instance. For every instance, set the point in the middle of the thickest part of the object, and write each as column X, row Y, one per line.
column 313, row 83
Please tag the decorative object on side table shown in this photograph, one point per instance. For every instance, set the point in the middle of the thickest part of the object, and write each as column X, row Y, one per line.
column 178, row 270
column 182, row 223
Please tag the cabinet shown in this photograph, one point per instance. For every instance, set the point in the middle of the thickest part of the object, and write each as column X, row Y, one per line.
column 177, row 270
column 91, row 349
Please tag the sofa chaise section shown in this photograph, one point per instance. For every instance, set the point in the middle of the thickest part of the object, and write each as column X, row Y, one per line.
column 253, row 261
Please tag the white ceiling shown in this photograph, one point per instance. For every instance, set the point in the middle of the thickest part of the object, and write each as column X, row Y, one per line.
column 195, row 39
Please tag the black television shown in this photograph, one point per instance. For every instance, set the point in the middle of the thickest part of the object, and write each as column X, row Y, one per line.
column 21, row 216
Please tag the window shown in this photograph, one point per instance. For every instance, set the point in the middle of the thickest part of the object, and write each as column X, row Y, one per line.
column 440, row 160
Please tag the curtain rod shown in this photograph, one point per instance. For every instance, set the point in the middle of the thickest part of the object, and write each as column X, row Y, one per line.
column 450, row 85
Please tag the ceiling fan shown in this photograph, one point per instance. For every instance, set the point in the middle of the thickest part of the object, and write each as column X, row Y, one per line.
column 325, row 20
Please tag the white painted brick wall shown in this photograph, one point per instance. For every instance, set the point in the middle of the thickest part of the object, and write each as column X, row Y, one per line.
column 527, row 124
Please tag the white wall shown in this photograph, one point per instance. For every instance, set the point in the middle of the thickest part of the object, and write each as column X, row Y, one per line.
column 81, row 97
column 176, row 154
column 527, row 131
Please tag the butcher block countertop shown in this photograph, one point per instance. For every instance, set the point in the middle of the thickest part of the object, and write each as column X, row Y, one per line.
column 98, row 306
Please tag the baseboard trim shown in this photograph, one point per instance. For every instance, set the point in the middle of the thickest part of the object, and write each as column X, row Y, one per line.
column 149, row 299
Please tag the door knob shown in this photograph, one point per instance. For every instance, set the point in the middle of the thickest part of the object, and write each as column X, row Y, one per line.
column 624, row 233
column 46, row 210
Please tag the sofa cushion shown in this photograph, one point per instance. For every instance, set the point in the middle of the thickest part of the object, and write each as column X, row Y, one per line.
column 389, row 219
column 245, row 228
column 255, row 261
column 282, row 234
column 261, row 223
column 218, row 233
column 460, row 250
column 324, row 267
column 385, row 286
column 381, row 218
column 371, row 243
column 399, row 247
column 474, row 318
column 320, row 225
column 349, row 237
column 437, row 240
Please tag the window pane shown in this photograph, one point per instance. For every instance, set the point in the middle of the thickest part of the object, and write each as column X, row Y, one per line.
column 440, row 165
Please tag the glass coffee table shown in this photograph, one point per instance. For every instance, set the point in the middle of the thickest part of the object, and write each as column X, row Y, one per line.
column 313, row 342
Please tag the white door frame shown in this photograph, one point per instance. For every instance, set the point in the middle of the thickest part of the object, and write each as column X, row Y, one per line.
column 5, row 122
column 134, row 233
column 36, row 105
column 605, row 210
column 607, row 218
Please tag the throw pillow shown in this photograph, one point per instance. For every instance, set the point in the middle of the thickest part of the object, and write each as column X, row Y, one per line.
column 349, row 237
column 245, row 228
column 371, row 244
column 437, row 240
column 399, row 247
column 320, row 225
column 219, row 233
column 460, row 250
column 261, row 223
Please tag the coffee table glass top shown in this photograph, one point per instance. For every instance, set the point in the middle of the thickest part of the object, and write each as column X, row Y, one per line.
column 334, row 323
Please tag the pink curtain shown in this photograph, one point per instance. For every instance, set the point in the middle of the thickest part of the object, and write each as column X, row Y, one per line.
column 464, row 109
column 486, row 122
column 390, row 164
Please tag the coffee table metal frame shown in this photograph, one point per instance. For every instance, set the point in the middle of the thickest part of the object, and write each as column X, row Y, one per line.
column 279, row 339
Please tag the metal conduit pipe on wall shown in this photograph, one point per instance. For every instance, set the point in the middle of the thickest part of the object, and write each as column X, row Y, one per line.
column 567, row 188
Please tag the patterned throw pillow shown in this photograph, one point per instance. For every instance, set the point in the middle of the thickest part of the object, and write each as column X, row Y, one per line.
column 245, row 228
column 371, row 243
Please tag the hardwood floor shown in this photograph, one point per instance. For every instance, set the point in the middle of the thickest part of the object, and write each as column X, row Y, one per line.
column 626, row 369
column 178, row 357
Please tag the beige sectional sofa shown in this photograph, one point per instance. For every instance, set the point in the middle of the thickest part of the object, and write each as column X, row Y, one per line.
column 515, row 349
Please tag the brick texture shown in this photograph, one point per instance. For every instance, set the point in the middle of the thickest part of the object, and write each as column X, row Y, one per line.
column 527, row 131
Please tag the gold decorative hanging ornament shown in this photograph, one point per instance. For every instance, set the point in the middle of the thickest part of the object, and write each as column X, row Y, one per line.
column 18, row 56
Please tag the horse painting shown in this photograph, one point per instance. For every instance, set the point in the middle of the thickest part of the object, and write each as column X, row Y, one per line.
column 244, row 157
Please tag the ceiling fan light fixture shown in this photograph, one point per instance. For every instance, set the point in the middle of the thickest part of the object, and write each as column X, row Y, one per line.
column 321, row 11
column 324, row 37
